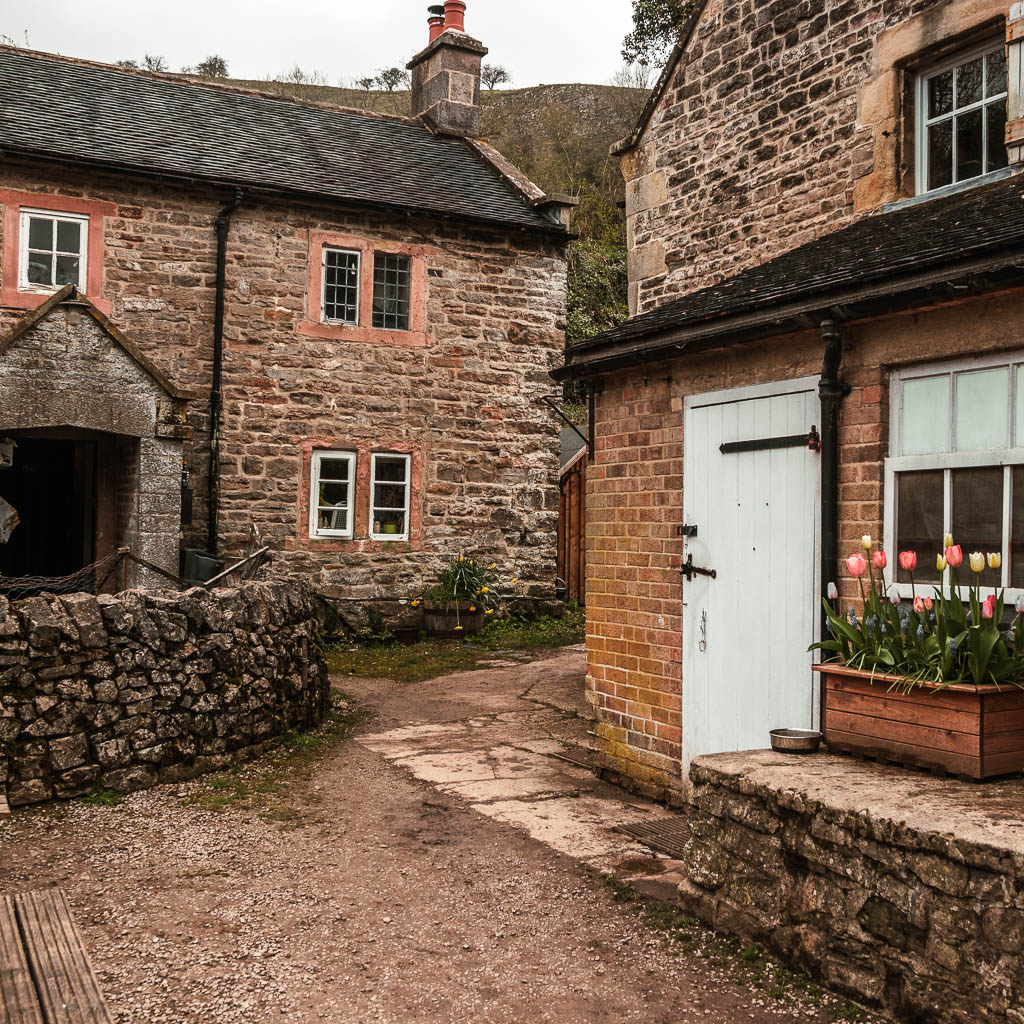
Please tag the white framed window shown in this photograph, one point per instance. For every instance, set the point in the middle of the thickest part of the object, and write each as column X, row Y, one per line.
column 389, row 496
column 956, row 466
column 332, row 494
column 53, row 249
column 961, row 118
column 339, row 291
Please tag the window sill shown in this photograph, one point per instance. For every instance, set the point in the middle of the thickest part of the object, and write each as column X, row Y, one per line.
column 955, row 189
column 16, row 298
column 363, row 335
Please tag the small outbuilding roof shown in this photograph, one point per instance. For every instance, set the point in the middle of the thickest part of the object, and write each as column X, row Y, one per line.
column 881, row 263
column 115, row 117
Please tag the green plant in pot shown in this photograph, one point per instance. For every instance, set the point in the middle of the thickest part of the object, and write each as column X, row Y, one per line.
column 462, row 599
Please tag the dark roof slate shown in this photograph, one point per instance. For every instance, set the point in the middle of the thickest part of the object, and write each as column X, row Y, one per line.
column 111, row 116
column 908, row 240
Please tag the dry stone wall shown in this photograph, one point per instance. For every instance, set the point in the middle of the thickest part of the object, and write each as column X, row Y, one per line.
column 124, row 691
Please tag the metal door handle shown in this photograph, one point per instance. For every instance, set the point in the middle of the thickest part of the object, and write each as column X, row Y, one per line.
column 690, row 570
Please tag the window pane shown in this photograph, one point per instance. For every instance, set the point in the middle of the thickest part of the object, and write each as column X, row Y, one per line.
column 390, row 469
column 940, row 154
column 977, row 519
column 968, row 145
column 389, row 496
column 341, row 286
column 982, row 410
column 40, row 268
column 69, row 235
column 919, row 527
column 925, row 424
column 995, row 114
column 334, row 469
column 40, row 233
column 389, row 522
column 995, row 72
column 333, row 495
column 1019, row 442
column 940, row 94
column 67, row 270
column 1017, row 530
column 968, row 83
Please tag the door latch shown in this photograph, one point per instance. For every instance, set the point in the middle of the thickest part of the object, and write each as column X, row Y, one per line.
column 690, row 570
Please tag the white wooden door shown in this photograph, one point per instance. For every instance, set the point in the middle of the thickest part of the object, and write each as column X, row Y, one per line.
column 746, row 668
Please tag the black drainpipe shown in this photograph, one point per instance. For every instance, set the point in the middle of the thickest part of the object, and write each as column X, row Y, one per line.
column 216, row 395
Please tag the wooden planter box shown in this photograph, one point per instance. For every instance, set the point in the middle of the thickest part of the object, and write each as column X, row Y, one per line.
column 973, row 731
column 443, row 620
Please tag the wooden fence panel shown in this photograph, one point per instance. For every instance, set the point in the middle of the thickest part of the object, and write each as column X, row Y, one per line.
column 572, row 562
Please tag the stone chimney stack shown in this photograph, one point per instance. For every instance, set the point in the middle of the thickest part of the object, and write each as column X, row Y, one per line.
column 446, row 75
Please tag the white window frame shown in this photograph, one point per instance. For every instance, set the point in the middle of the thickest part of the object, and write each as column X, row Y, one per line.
column 27, row 213
column 897, row 463
column 315, row 531
column 922, row 121
column 324, row 318
column 408, row 495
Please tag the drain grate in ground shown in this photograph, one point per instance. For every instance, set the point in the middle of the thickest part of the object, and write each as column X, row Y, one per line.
column 666, row 835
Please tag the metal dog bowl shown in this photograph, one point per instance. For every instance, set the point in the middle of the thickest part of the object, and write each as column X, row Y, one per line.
column 795, row 741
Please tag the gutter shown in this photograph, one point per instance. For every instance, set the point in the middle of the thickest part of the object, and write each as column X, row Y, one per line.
column 216, row 388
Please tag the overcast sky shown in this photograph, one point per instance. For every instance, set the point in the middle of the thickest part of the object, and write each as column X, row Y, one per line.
column 539, row 41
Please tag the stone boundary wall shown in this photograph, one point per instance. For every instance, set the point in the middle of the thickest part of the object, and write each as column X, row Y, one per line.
column 919, row 912
column 127, row 690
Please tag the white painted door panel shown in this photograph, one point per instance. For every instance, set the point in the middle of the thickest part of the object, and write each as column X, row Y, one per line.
column 746, row 669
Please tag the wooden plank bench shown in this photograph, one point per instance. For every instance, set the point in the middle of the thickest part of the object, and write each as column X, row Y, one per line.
column 45, row 974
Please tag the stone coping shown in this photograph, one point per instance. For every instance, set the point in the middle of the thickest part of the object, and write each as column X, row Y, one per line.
column 967, row 821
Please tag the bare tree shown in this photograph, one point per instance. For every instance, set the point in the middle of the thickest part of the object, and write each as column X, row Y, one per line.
column 493, row 75
column 393, row 78
column 152, row 62
column 366, row 84
column 213, row 67
column 297, row 76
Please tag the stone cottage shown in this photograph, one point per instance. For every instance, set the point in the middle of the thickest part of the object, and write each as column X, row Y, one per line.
column 826, row 228
column 220, row 308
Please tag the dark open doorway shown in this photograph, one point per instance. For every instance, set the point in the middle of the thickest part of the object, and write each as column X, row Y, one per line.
column 52, row 484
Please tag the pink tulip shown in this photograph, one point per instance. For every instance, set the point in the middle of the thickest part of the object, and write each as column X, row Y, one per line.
column 988, row 608
column 954, row 557
column 857, row 565
column 879, row 559
column 908, row 560
column 928, row 604
column 919, row 604
column 833, row 591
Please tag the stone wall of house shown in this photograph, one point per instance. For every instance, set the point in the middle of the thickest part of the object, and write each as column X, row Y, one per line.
column 635, row 503
column 782, row 122
column 124, row 691
column 922, row 918
column 462, row 397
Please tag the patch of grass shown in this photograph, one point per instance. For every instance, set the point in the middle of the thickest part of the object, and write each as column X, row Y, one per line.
column 102, row 797
column 428, row 658
column 262, row 785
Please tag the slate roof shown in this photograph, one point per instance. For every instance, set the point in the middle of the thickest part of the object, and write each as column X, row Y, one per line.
column 903, row 243
column 114, row 117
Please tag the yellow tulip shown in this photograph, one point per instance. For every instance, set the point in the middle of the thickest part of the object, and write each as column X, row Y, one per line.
column 458, row 628
column 940, row 563
column 995, row 560
column 977, row 561
column 947, row 541
column 865, row 542
column 490, row 611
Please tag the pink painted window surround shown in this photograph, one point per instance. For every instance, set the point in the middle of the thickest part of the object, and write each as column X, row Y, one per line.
column 364, row 332
column 361, row 496
column 15, row 296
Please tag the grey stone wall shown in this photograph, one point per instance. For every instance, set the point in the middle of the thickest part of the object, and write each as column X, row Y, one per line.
column 902, row 891
column 128, row 690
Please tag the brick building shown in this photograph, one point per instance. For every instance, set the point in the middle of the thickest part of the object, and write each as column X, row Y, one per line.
column 826, row 226
column 337, row 324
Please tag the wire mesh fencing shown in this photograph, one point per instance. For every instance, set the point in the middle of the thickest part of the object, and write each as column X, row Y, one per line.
column 92, row 579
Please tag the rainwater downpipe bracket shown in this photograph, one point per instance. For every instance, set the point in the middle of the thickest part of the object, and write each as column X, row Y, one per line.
column 223, row 224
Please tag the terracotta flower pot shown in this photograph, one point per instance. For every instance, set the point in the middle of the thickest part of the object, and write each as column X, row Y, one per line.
column 444, row 620
column 973, row 731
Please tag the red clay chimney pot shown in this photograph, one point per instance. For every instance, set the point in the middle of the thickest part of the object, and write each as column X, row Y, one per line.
column 455, row 15
column 436, row 23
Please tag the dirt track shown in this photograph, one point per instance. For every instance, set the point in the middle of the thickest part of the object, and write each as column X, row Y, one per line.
column 379, row 898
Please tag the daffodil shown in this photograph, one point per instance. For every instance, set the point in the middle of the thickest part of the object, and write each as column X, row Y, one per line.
column 472, row 607
column 484, row 590
column 415, row 604
column 515, row 579
column 490, row 611
column 457, row 628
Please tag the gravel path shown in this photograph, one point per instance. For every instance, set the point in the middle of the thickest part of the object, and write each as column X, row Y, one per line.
column 378, row 898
